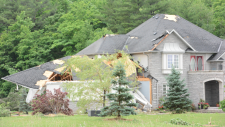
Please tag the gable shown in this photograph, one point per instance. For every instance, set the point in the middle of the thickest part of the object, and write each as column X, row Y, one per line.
column 172, row 38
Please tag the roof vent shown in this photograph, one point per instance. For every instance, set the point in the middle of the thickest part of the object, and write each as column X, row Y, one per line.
column 155, row 33
column 153, row 16
column 156, row 17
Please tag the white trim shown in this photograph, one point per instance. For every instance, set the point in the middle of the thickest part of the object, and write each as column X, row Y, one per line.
column 173, row 61
column 221, row 55
column 181, row 38
column 19, row 84
column 220, row 46
column 221, row 96
column 167, row 88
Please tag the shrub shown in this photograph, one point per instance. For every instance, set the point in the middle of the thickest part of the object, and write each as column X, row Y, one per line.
column 3, row 111
column 51, row 103
column 222, row 105
column 193, row 108
column 24, row 106
column 178, row 121
column 12, row 101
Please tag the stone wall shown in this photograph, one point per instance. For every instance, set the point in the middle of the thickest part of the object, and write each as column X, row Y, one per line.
column 196, row 84
column 193, row 80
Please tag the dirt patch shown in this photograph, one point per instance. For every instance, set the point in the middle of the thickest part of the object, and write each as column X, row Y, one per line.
column 116, row 119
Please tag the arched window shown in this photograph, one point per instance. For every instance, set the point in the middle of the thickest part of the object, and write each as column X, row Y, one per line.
column 192, row 64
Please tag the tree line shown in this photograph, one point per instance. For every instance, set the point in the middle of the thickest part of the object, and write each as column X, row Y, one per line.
column 33, row 32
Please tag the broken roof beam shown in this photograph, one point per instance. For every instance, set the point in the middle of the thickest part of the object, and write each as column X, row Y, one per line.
column 159, row 42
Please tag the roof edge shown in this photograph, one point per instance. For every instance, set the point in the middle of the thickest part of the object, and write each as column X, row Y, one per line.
column 17, row 83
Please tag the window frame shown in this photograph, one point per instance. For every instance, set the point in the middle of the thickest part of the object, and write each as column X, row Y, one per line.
column 196, row 57
column 167, row 88
column 173, row 61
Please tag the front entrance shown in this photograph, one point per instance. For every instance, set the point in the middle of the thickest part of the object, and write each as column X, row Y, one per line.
column 212, row 92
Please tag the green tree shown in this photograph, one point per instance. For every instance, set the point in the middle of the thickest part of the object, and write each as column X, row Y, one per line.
column 120, row 104
column 37, row 10
column 194, row 11
column 177, row 97
column 23, row 106
column 219, row 17
column 95, row 77
column 121, row 16
column 76, row 29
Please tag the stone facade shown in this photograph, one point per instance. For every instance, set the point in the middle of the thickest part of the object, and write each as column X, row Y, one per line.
column 194, row 80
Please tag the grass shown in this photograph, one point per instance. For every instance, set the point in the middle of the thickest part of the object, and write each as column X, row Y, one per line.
column 140, row 120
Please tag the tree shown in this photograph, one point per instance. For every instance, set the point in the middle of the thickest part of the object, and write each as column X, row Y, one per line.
column 77, row 29
column 95, row 76
column 24, row 106
column 219, row 18
column 121, row 16
column 120, row 104
column 194, row 11
column 177, row 96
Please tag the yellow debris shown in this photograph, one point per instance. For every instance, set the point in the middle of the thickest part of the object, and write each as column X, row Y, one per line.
column 41, row 83
column 60, row 69
column 48, row 73
column 171, row 17
column 58, row 62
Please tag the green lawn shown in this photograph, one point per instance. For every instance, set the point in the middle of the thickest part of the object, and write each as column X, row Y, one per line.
column 141, row 120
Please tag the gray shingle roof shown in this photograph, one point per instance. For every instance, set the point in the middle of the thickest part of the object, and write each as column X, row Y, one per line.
column 28, row 78
column 217, row 56
column 140, row 38
column 200, row 39
column 108, row 44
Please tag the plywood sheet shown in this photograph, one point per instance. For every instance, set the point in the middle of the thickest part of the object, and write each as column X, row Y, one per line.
column 48, row 73
column 60, row 69
column 58, row 62
column 41, row 83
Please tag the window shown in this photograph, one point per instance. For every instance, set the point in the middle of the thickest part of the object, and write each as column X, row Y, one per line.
column 165, row 89
column 196, row 63
column 172, row 60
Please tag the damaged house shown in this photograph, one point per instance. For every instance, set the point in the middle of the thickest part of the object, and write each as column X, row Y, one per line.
column 158, row 44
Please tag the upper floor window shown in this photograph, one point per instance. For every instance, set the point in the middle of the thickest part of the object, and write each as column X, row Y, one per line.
column 196, row 63
column 172, row 60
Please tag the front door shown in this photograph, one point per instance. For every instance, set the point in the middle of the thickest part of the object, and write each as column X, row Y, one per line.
column 212, row 92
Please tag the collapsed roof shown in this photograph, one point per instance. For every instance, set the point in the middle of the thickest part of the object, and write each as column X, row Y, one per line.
column 56, row 70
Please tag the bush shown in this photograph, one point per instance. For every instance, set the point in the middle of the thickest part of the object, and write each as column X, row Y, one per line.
column 12, row 101
column 24, row 106
column 51, row 103
column 193, row 108
column 178, row 121
column 222, row 105
column 3, row 111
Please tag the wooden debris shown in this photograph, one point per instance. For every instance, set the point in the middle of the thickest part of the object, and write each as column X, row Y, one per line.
column 48, row 74
column 58, row 61
column 159, row 42
column 171, row 17
column 41, row 83
column 60, row 69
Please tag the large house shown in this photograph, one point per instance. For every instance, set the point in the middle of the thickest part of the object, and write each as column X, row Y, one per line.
column 158, row 44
